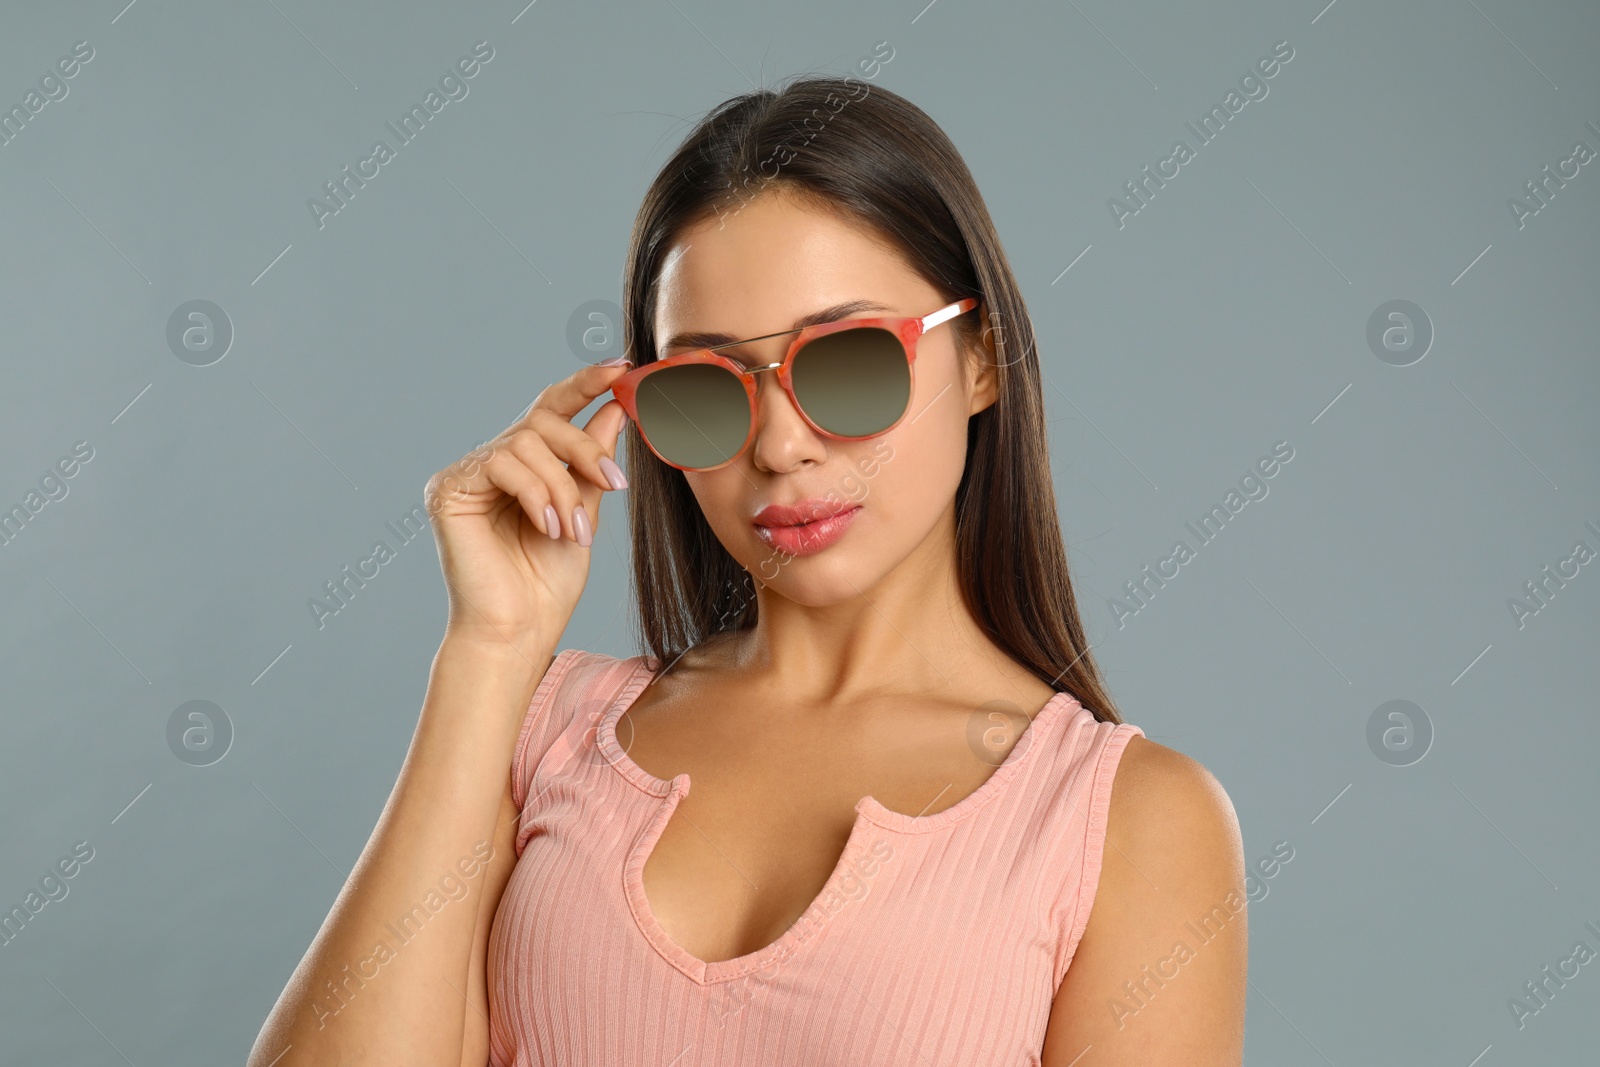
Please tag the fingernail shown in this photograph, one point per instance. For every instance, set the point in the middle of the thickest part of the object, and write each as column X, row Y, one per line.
column 552, row 522
column 614, row 361
column 613, row 473
column 580, row 523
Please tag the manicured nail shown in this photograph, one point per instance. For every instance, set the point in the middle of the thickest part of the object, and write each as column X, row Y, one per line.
column 552, row 522
column 613, row 473
column 580, row 523
column 614, row 361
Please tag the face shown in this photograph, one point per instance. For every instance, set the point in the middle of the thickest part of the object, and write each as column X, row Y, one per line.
column 757, row 272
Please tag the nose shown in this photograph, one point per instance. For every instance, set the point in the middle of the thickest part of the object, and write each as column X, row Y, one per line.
column 784, row 441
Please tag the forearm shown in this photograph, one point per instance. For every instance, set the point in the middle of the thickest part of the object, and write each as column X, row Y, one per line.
column 350, row 1001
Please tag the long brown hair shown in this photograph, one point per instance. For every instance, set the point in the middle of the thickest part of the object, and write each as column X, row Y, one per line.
column 874, row 156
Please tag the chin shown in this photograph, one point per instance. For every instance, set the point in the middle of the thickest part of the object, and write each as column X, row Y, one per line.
column 818, row 589
column 829, row 577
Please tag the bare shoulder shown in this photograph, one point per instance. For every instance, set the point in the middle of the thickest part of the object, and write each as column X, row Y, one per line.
column 1142, row 986
column 1172, row 840
column 1163, row 801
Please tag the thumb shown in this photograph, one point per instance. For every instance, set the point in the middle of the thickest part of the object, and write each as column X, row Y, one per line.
column 608, row 423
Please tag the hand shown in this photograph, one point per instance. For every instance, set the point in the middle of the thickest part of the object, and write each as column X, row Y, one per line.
column 513, row 575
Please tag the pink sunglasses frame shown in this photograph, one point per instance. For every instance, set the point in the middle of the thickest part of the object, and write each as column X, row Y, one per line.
column 906, row 329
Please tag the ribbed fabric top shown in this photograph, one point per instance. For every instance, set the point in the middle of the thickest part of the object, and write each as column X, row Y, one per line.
column 938, row 939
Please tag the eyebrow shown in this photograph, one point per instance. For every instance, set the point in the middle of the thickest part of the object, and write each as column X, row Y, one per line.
column 697, row 339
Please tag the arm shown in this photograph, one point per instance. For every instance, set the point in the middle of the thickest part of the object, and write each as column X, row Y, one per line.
column 475, row 1043
column 396, row 973
column 415, row 1003
column 1154, row 980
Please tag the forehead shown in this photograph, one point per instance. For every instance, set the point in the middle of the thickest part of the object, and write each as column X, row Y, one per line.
column 762, row 265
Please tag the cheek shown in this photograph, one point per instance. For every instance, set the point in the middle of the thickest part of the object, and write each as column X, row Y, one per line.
column 720, row 495
column 919, row 479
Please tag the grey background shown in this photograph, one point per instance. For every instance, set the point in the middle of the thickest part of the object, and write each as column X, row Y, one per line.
column 1228, row 315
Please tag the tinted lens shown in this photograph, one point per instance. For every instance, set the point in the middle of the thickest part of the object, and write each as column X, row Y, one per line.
column 695, row 415
column 853, row 382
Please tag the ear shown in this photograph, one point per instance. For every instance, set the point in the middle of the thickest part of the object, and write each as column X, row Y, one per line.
column 983, row 379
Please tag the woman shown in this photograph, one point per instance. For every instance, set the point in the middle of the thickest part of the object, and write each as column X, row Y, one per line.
column 919, row 831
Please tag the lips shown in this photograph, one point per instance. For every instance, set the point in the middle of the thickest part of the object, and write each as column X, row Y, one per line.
column 805, row 528
column 803, row 512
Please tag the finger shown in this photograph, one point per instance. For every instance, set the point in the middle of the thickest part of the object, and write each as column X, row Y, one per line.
column 564, row 492
column 523, row 484
column 604, row 429
column 606, row 426
column 575, row 392
column 463, row 478
column 590, row 451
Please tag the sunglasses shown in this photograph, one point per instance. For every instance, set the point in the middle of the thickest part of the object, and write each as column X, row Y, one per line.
column 850, row 380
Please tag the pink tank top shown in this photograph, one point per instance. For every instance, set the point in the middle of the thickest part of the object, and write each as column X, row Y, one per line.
column 938, row 939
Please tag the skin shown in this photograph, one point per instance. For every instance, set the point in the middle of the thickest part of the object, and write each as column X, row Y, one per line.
column 865, row 668
column 860, row 679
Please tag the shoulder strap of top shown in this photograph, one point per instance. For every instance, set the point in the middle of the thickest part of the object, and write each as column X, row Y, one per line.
column 1092, row 751
column 576, row 686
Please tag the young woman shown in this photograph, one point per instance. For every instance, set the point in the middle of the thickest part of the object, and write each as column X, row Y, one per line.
column 918, row 830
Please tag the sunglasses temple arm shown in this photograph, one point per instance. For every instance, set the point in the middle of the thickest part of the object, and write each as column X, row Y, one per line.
column 947, row 313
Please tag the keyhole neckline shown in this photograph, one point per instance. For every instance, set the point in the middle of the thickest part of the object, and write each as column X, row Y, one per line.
column 815, row 918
